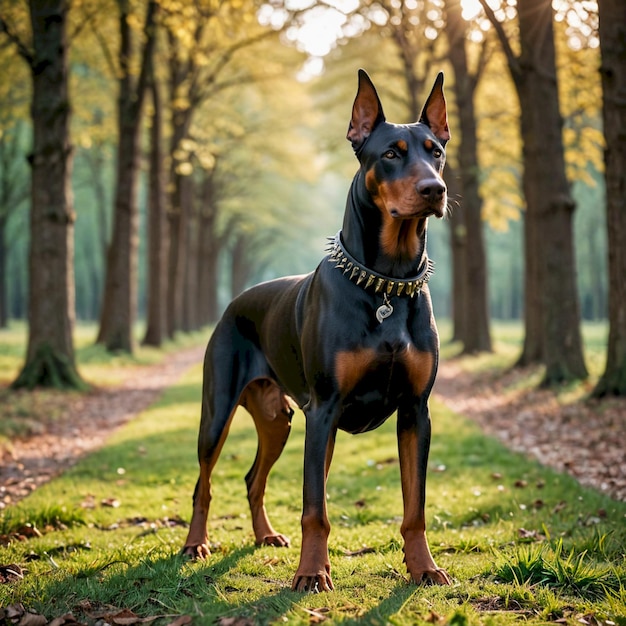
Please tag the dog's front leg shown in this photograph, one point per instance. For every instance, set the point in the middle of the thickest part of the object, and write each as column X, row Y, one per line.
column 313, row 574
column 414, row 445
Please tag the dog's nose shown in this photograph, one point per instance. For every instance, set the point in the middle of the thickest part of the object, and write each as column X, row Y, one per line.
column 431, row 189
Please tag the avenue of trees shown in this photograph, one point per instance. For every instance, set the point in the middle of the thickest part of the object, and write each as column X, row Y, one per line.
column 177, row 148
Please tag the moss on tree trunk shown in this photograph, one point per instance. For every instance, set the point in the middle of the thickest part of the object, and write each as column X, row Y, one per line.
column 49, row 368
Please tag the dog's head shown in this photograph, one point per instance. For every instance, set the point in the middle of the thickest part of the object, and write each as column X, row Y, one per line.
column 403, row 163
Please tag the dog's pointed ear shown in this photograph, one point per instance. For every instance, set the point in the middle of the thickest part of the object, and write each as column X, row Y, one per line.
column 367, row 112
column 434, row 113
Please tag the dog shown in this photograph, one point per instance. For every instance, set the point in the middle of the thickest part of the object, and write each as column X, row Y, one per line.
column 351, row 343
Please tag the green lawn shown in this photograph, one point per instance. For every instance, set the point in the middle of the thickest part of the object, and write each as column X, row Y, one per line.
column 522, row 543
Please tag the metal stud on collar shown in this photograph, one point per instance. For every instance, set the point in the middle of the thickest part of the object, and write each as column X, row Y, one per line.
column 367, row 278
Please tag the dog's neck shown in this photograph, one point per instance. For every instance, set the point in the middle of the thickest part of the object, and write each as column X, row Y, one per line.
column 393, row 247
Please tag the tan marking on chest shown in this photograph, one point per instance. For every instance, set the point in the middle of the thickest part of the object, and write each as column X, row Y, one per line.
column 351, row 366
column 399, row 238
column 420, row 368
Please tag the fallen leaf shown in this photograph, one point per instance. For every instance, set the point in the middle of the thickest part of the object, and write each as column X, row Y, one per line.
column 18, row 615
column 236, row 621
column 32, row 619
column 530, row 535
column 10, row 573
column 65, row 620
column 363, row 550
column 181, row 621
column 111, row 502
column 317, row 616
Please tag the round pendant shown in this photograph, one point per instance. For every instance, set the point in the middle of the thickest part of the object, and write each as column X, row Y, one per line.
column 383, row 312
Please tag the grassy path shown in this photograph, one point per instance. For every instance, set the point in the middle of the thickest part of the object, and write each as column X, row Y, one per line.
column 522, row 542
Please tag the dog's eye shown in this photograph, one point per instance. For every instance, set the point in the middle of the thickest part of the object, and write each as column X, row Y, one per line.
column 437, row 153
column 390, row 154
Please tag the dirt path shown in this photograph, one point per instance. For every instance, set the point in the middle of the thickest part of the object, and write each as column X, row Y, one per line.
column 83, row 424
column 585, row 439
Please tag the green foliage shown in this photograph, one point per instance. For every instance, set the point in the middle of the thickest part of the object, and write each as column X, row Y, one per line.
column 551, row 566
column 35, row 522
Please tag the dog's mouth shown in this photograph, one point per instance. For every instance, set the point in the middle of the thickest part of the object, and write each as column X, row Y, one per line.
column 431, row 210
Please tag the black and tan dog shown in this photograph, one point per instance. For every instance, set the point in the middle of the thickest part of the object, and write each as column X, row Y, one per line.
column 350, row 343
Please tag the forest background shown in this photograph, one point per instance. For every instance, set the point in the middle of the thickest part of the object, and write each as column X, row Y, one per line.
column 204, row 151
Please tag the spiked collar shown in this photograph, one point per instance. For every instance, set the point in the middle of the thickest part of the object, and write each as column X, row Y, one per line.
column 369, row 279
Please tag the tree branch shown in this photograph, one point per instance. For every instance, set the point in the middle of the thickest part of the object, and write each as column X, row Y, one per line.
column 14, row 38
column 511, row 58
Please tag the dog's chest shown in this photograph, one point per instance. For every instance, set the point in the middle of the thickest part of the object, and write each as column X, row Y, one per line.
column 375, row 378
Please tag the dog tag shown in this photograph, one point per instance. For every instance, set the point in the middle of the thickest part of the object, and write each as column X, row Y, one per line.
column 384, row 310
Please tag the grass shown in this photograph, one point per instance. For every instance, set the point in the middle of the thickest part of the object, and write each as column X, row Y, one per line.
column 522, row 543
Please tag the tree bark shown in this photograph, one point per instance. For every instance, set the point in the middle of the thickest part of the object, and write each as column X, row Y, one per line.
column 190, row 285
column 475, row 337
column 613, row 72
column 156, row 321
column 50, row 358
column 4, row 305
column 458, row 243
column 208, row 253
column 14, row 191
column 120, row 296
column 239, row 266
column 179, row 197
column 550, row 265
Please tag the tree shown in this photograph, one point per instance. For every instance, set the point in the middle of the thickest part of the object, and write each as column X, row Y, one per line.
column 552, row 319
column 475, row 323
column 204, row 40
column 13, row 194
column 613, row 72
column 50, row 357
column 156, row 321
column 120, row 295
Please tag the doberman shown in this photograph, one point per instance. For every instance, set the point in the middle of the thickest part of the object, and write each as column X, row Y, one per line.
column 350, row 343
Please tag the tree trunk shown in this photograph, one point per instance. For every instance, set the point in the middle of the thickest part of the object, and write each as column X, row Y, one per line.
column 4, row 305
column 613, row 71
column 475, row 336
column 239, row 266
column 156, row 327
column 458, row 241
column 190, row 285
column 50, row 353
column 120, row 296
column 549, row 200
column 178, row 225
column 96, row 160
column 550, row 266
column 208, row 254
column 180, row 73
column 533, row 348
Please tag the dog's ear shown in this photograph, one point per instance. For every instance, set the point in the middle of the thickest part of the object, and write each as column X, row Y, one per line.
column 434, row 113
column 367, row 112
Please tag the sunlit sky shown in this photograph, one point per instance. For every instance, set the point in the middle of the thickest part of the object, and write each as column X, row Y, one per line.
column 322, row 26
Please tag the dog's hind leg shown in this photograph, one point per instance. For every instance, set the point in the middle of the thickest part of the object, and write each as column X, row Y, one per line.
column 210, row 444
column 231, row 363
column 271, row 412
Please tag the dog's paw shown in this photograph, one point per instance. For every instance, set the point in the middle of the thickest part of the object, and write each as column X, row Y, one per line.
column 312, row 584
column 435, row 576
column 196, row 552
column 278, row 540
